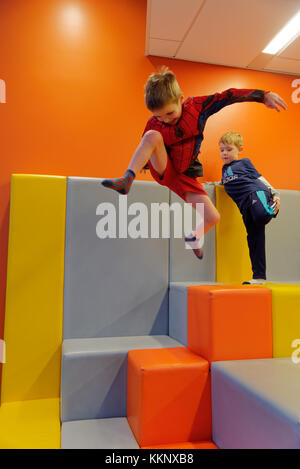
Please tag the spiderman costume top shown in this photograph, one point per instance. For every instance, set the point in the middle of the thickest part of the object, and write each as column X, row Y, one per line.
column 183, row 140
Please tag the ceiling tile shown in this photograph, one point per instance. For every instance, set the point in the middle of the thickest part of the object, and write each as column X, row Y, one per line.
column 170, row 19
column 234, row 32
column 283, row 65
column 162, row 48
column 293, row 50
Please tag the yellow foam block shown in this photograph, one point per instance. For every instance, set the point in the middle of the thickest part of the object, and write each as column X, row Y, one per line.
column 232, row 254
column 286, row 317
column 30, row 425
column 34, row 296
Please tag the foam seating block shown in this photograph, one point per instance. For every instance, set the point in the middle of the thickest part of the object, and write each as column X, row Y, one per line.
column 232, row 253
column 230, row 322
column 255, row 404
column 184, row 265
column 116, row 280
column 185, row 445
column 113, row 433
column 34, row 294
column 94, row 375
column 286, row 317
column 168, row 396
column 178, row 309
column 30, row 424
column 283, row 240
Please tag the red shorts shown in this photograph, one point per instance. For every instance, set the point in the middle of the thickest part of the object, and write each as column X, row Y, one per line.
column 177, row 182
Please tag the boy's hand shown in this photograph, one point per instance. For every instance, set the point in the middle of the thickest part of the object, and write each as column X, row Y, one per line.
column 276, row 204
column 273, row 100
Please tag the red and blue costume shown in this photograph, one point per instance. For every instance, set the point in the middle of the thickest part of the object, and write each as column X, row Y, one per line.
column 183, row 140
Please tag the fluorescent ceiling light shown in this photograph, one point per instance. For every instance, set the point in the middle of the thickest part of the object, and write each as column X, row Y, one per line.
column 285, row 36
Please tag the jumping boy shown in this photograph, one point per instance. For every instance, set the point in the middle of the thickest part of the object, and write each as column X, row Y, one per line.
column 172, row 138
column 256, row 199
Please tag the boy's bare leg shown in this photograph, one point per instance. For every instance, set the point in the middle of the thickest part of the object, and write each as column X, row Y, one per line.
column 150, row 148
column 210, row 218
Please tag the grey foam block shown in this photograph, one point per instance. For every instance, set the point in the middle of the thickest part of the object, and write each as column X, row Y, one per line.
column 94, row 374
column 114, row 286
column 98, row 434
column 283, row 240
column 255, row 404
column 184, row 265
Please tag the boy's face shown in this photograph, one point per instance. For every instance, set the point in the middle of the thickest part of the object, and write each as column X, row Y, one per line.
column 170, row 113
column 229, row 152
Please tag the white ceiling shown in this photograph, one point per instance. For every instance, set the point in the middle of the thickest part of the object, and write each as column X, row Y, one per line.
column 223, row 32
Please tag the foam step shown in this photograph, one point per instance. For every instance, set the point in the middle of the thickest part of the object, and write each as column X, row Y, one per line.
column 94, row 374
column 178, row 293
column 112, row 433
column 230, row 322
column 105, row 294
column 255, row 404
column 286, row 317
column 168, row 396
column 30, row 424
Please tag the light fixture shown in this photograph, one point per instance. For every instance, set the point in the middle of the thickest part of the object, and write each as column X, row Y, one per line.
column 287, row 35
column 72, row 17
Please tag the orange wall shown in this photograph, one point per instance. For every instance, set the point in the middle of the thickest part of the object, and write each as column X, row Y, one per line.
column 75, row 99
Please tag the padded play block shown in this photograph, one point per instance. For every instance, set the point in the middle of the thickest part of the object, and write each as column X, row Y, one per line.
column 32, row 424
column 114, row 286
column 232, row 253
column 34, row 295
column 230, row 322
column 168, row 396
column 98, row 434
column 184, row 265
column 94, row 375
column 283, row 240
column 178, row 309
column 286, row 317
column 255, row 404
column 185, row 445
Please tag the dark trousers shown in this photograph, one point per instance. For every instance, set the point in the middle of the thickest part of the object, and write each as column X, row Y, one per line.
column 257, row 213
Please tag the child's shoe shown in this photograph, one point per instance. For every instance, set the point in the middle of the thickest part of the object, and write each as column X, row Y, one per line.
column 194, row 243
column 255, row 281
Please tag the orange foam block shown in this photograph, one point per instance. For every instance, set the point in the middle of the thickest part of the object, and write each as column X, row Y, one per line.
column 230, row 322
column 168, row 396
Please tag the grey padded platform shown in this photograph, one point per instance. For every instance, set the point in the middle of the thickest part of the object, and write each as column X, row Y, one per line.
column 94, row 374
column 98, row 434
column 283, row 240
column 256, row 404
column 184, row 265
column 113, row 287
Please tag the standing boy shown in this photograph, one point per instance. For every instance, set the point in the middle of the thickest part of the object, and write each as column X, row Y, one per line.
column 256, row 199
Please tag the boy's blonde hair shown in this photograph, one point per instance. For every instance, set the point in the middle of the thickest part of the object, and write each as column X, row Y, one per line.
column 232, row 138
column 161, row 88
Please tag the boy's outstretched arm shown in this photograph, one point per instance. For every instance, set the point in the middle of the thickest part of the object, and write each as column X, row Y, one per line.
column 273, row 101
